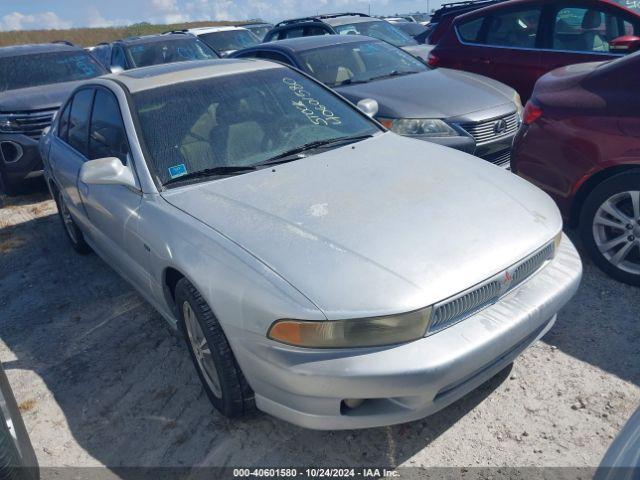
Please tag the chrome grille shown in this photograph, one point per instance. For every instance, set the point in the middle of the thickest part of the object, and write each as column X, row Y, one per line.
column 465, row 304
column 503, row 159
column 531, row 265
column 31, row 123
column 485, row 131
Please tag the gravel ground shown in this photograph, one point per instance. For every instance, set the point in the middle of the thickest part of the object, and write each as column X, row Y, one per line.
column 101, row 380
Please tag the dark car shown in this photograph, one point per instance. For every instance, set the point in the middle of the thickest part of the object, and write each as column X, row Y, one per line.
column 581, row 144
column 416, row 30
column 518, row 41
column 452, row 108
column 348, row 24
column 102, row 53
column 34, row 81
column 134, row 52
column 260, row 30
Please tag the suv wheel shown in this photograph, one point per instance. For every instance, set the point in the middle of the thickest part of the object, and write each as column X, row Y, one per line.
column 217, row 368
column 610, row 226
column 71, row 229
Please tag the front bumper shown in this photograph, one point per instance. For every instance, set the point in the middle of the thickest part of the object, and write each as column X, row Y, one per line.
column 407, row 382
column 19, row 156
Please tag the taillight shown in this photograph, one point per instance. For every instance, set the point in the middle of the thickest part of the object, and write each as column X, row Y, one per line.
column 532, row 112
column 433, row 60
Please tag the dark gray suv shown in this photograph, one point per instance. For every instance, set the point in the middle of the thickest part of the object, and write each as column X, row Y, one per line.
column 34, row 81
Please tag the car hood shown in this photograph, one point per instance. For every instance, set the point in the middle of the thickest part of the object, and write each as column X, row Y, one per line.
column 439, row 93
column 386, row 225
column 42, row 97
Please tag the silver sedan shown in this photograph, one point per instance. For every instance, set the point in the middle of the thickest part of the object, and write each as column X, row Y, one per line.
column 322, row 269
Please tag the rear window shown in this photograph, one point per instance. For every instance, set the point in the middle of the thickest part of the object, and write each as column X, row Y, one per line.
column 169, row 51
column 229, row 40
column 25, row 71
column 377, row 29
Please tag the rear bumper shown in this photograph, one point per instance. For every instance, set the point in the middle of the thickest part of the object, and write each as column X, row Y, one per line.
column 406, row 382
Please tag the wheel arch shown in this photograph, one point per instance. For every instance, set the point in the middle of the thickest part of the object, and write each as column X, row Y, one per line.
column 170, row 278
column 591, row 183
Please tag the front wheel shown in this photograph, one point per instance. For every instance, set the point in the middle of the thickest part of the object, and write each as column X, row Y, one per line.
column 71, row 229
column 217, row 368
column 610, row 226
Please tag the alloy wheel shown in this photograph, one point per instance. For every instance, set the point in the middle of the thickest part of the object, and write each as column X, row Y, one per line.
column 616, row 230
column 201, row 349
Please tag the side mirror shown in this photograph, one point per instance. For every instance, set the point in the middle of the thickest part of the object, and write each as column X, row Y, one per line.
column 368, row 106
column 625, row 44
column 116, row 69
column 107, row 171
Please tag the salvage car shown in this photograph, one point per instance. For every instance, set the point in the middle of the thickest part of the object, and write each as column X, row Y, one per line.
column 458, row 109
column 518, row 41
column 225, row 40
column 259, row 29
column 146, row 50
column 312, row 259
column 579, row 143
column 34, row 81
column 348, row 24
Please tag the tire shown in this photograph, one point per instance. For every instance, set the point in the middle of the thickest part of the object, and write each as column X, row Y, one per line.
column 7, row 187
column 75, row 236
column 231, row 395
column 610, row 226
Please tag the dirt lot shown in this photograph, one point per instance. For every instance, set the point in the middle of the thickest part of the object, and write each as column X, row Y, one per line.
column 102, row 381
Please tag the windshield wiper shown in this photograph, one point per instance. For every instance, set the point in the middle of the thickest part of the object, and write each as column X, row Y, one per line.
column 395, row 73
column 296, row 153
column 211, row 172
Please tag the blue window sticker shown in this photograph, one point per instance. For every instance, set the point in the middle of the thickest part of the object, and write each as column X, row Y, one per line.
column 177, row 171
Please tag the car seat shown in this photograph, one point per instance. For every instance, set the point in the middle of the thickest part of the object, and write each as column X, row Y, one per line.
column 592, row 37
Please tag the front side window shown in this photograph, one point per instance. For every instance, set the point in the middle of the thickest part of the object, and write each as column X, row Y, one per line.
column 239, row 120
column 229, row 40
column 377, row 29
column 358, row 63
column 587, row 29
column 107, row 137
column 514, row 29
column 24, row 71
column 172, row 50
column 79, row 121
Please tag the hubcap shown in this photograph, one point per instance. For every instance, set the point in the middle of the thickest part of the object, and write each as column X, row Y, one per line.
column 616, row 231
column 66, row 219
column 201, row 349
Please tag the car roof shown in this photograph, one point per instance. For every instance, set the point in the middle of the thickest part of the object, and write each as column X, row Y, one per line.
column 258, row 24
column 156, row 76
column 203, row 30
column 29, row 49
column 160, row 37
column 301, row 44
column 348, row 19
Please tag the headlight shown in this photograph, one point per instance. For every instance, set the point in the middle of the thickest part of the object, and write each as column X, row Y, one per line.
column 424, row 127
column 8, row 124
column 359, row 332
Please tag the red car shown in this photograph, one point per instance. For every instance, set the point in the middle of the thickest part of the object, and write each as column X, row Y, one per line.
column 580, row 142
column 518, row 41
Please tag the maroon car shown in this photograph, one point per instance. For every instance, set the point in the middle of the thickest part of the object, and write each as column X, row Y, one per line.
column 518, row 41
column 580, row 142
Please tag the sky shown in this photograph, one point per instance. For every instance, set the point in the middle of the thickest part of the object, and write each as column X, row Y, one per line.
column 60, row 14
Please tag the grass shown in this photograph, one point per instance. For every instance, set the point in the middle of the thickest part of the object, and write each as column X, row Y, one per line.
column 92, row 36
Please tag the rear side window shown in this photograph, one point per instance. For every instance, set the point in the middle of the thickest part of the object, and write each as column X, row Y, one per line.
column 470, row 31
column 63, row 124
column 79, row 121
column 291, row 33
column 514, row 29
column 107, row 137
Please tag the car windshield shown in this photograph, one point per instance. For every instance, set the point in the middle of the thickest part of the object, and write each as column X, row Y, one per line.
column 169, row 51
column 358, row 62
column 239, row 120
column 260, row 31
column 377, row 29
column 413, row 29
column 229, row 40
column 23, row 71
column 630, row 4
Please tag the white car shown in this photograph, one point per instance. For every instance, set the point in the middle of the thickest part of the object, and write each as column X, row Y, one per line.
column 225, row 40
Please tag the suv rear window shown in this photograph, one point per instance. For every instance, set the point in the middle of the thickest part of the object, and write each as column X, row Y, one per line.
column 23, row 71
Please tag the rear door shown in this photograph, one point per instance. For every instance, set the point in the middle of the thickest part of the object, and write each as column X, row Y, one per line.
column 578, row 32
column 69, row 149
